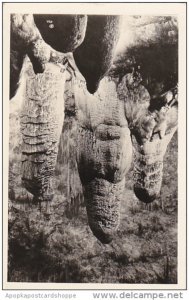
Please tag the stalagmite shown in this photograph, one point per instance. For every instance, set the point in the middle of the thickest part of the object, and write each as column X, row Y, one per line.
column 94, row 56
column 63, row 33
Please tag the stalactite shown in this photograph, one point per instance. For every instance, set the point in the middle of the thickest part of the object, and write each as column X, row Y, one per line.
column 25, row 40
column 95, row 55
column 152, row 123
column 63, row 33
column 104, row 155
column 41, row 123
column 118, row 109
column 148, row 167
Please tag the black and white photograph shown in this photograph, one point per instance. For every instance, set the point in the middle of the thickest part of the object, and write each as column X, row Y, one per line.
column 95, row 145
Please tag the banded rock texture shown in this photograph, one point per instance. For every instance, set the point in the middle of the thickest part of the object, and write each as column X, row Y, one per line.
column 152, row 123
column 104, row 155
column 41, row 124
column 150, row 59
column 120, row 107
column 95, row 55
column 148, row 167
column 43, row 113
